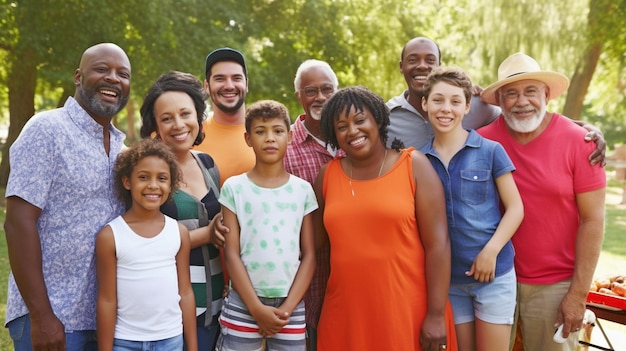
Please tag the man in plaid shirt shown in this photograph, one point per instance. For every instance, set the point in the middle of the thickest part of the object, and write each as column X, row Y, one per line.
column 315, row 82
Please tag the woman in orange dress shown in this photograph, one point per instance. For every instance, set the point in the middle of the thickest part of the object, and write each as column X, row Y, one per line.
column 384, row 213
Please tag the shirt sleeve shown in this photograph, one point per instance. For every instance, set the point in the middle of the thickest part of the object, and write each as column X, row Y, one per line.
column 227, row 198
column 501, row 161
column 32, row 162
column 311, row 201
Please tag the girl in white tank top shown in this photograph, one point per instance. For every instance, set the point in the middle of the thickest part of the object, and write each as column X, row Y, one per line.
column 142, row 259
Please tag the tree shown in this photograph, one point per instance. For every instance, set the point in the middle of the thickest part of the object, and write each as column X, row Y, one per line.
column 32, row 47
column 602, row 18
column 43, row 40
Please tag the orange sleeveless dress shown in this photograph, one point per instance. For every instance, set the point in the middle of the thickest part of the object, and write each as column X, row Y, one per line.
column 376, row 293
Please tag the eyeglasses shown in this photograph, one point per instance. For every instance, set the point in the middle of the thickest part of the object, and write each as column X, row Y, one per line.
column 532, row 92
column 327, row 90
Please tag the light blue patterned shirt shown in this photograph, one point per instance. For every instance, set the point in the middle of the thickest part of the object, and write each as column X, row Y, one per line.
column 58, row 163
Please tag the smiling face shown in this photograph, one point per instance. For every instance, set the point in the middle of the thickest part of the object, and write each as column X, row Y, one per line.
column 176, row 120
column 357, row 132
column 446, row 106
column 149, row 183
column 420, row 57
column 103, row 81
column 320, row 80
column 524, row 105
column 227, row 86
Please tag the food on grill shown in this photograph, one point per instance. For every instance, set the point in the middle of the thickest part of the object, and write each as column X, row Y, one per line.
column 614, row 285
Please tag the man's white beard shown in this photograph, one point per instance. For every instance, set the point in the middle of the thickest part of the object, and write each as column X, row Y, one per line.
column 316, row 115
column 526, row 125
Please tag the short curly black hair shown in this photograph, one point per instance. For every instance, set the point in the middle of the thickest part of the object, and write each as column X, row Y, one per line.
column 343, row 101
column 128, row 159
column 173, row 81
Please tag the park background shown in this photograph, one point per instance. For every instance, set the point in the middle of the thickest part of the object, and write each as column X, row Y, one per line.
column 41, row 42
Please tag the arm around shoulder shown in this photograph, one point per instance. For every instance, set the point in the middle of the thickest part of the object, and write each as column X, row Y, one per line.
column 598, row 156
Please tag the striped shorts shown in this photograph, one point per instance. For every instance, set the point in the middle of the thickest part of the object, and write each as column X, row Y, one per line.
column 241, row 333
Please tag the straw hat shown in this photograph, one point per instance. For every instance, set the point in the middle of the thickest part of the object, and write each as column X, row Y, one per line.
column 518, row 67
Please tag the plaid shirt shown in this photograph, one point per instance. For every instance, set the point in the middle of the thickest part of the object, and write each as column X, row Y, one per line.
column 304, row 158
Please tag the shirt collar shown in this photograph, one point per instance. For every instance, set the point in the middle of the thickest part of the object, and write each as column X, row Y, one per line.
column 84, row 121
column 299, row 133
column 400, row 101
column 473, row 140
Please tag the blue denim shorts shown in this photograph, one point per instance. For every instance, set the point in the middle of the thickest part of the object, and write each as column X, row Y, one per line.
column 492, row 302
column 169, row 344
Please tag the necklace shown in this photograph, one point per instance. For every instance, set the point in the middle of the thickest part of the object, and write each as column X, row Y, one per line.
column 380, row 171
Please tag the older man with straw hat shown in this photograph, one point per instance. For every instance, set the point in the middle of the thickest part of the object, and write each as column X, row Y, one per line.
column 559, row 241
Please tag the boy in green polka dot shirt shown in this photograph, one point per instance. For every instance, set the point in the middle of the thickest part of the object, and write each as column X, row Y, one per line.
column 269, row 249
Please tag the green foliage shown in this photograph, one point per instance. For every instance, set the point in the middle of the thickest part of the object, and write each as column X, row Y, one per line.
column 605, row 103
column 5, row 268
column 615, row 222
column 361, row 39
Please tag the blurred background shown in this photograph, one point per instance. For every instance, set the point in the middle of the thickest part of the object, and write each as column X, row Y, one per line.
column 41, row 42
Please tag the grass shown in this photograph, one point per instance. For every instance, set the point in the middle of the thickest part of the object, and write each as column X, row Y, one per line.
column 612, row 258
column 615, row 220
column 5, row 339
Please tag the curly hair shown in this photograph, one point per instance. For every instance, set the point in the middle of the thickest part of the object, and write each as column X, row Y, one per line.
column 267, row 109
column 449, row 75
column 128, row 159
column 173, row 81
column 343, row 101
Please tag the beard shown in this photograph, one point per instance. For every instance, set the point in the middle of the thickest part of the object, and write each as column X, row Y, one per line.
column 98, row 107
column 230, row 109
column 526, row 125
column 315, row 114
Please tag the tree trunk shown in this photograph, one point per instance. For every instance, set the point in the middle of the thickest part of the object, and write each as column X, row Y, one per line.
column 21, row 80
column 580, row 81
column 130, row 122
column 588, row 61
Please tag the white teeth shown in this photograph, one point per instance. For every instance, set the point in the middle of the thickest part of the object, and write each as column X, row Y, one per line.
column 152, row 196
column 108, row 92
column 357, row 141
column 180, row 136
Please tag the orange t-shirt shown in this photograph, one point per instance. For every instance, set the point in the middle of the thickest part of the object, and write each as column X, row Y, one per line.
column 227, row 146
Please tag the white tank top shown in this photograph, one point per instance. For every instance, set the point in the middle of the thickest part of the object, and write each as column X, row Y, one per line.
column 147, row 283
